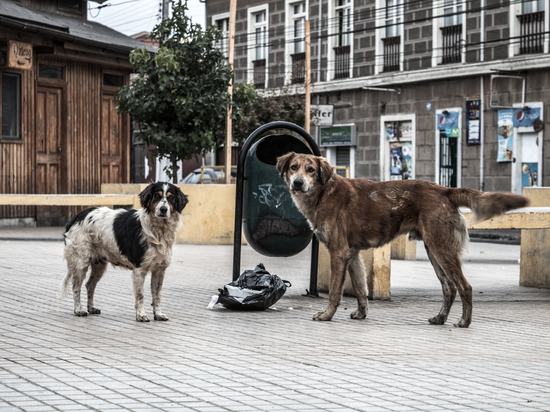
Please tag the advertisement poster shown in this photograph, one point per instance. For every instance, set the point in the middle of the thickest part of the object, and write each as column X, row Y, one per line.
column 472, row 122
column 338, row 135
column 396, row 156
column 529, row 174
column 391, row 132
column 406, row 169
column 505, row 135
column 525, row 118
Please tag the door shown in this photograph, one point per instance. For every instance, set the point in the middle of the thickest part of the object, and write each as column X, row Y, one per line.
column 528, row 158
column 50, row 148
column 114, row 148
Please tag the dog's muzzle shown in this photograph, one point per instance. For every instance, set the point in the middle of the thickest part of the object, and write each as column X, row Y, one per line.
column 162, row 211
column 297, row 185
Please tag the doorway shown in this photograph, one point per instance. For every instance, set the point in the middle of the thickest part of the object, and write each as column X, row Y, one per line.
column 50, row 153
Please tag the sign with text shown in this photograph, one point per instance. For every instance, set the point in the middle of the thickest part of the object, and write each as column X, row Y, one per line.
column 473, row 121
column 19, row 55
column 338, row 135
column 322, row 114
column 505, row 135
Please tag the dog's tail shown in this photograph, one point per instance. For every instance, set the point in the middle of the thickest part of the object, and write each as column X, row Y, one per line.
column 64, row 287
column 485, row 205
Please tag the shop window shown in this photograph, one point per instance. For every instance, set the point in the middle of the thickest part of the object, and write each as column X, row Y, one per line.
column 11, row 106
column 113, row 80
column 48, row 71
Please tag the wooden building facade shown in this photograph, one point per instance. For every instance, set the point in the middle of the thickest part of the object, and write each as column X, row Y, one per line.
column 61, row 132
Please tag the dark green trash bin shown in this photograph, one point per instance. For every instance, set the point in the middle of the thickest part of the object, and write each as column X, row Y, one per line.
column 272, row 224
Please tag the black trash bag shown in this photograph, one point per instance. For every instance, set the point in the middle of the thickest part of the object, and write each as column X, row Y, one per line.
column 254, row 290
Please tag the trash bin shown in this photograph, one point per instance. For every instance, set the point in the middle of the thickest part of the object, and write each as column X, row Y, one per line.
column 272, row 224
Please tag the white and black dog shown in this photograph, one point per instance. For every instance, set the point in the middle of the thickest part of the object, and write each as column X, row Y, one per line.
column 140, row 240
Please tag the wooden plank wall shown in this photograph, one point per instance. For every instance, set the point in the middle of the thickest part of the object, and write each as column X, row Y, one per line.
column 82, row 116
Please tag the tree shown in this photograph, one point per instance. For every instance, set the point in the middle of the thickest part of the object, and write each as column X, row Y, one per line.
column 253, row 110
column 179, row 97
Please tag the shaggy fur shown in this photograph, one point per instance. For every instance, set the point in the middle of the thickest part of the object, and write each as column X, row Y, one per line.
column 349, row 215
column 139, row 240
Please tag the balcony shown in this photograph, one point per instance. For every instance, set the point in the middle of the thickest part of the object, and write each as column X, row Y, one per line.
column 451, row 44
column 298, row 68
column 341, row 64
column 531, row 32
column 391, row 53
column 259, row 73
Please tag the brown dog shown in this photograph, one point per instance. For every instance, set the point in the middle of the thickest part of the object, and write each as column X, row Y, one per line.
column 349, row 215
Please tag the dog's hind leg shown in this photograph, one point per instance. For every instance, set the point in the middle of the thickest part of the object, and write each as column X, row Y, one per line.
column 98, row 269
column 357, row 275
column 138, row 278
column 79, row 274
column 338, row 263
column 449, row 291
column 449, row 260
column 157, row 278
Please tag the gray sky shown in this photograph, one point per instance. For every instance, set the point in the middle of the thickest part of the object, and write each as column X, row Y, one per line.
column 134, row 16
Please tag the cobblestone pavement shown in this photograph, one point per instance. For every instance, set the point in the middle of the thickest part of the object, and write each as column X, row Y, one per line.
column 277, row 360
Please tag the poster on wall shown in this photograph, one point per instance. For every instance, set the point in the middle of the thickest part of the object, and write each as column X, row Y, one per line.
column 472, row 122
column 406, row 169
column 529, row 174
column 391, row 132
column 396, row 156
column 505, row 135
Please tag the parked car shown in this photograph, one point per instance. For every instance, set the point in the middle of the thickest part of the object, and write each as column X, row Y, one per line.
column 209, row 175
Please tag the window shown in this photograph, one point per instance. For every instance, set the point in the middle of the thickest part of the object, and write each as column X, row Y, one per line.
column 11, row 106
column 341, row 39
column 260, row 37
column 221, row 21
column 48, row 71
column 532, row 6
column 295, row 53
column 257, row 45
column 394, row 17
column 452, row 11
column 113, row 80
column 70, row 5
column 449, row 32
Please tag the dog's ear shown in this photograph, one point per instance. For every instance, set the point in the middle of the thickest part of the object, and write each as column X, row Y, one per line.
column 283, row 163
column 325, row 170
column 146, row 195
column 181, row 199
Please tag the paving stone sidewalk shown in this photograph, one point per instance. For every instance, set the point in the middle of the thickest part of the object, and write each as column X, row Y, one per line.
column 278, row 360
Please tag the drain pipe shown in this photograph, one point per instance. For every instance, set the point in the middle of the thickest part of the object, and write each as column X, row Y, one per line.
column 481, row 135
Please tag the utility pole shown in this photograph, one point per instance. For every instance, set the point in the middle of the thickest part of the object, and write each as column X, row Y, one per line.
column 230, row 52
column 165, row 9
column 308, row 76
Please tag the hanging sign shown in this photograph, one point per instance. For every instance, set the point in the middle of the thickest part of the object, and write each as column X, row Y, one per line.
column 525, row 118
column 473, row 121
column 505, row 135
column 447, row 120
column 322, row 114
column 19, row 55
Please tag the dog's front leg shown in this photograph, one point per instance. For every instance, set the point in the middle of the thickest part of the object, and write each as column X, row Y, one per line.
column 138, row 278
column 338, row 263
column 157, row 279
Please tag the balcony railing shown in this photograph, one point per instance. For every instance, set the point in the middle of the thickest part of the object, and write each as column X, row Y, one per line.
column 298, row 68
column 451, row 44
column 341, row 66
column 391, row 53
column 531, row 32
column 259, row 74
